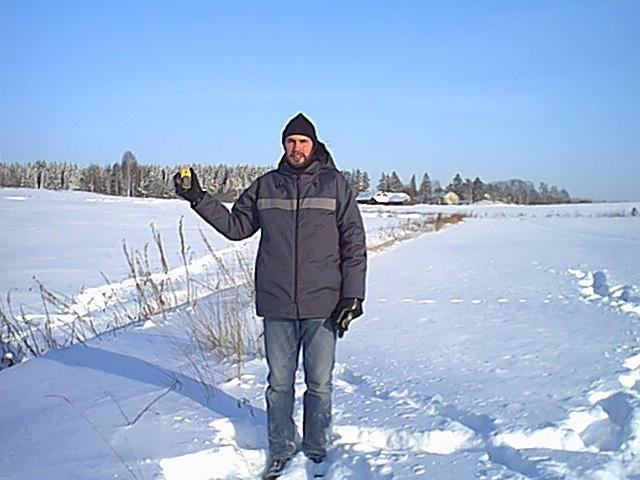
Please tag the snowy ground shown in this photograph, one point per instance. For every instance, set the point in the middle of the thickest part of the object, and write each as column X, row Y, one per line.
column 502, row 348
column 66, row 239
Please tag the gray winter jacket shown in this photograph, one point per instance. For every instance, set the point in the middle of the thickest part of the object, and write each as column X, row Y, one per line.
column 312, row 250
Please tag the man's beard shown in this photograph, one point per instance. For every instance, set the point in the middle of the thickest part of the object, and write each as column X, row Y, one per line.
column 298, row 159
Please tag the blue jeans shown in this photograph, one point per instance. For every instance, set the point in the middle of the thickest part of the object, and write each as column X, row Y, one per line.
column 283, row 339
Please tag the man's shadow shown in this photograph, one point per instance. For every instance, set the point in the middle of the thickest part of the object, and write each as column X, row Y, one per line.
column 248, row 420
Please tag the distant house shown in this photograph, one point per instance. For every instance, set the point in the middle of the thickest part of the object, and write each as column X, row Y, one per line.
column 364, row 197
column 451, row 198
column 383, row 198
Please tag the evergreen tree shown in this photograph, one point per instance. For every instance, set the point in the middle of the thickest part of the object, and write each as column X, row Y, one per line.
column 360, row 181
column 477, row 190
column 395, row 184
column 383, row 184
column 425, row 192
column 365, row 183
column 456, row 185
column 412, row 189
column 438, row 192
column 354, row 179
column 467, row 191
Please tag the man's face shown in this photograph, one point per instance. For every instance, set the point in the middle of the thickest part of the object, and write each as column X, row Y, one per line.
column 298, row 149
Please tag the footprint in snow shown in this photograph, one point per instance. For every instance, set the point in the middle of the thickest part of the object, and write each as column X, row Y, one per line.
column 595, row 286
column 441, row 441
column 629, row 379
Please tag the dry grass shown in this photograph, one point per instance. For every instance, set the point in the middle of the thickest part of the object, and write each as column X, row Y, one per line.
column 430, row 223
column 215, row 308
column 442, row 221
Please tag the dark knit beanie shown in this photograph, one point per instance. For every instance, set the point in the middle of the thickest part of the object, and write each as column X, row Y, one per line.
column 300, row 125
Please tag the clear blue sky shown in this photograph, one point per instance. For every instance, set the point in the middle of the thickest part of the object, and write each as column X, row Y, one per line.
column 543, row 90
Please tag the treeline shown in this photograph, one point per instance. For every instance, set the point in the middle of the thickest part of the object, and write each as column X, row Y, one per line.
column 132, row 179
column 127, row 178
column 471, row 191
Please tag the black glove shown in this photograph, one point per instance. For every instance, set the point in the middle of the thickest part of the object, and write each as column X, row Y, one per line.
column 346, row 310
column 193, row 194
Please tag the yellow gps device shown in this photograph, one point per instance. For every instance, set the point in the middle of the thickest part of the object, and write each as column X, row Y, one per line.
column 185, row 178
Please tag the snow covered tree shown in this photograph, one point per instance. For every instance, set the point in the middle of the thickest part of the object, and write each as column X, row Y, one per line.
column 543, row 191
column 365, row 182
column 130, row 178
column 129, row 171
column 41, row 174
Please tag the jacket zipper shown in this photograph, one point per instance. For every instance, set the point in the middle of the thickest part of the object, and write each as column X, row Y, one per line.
column 295, row 249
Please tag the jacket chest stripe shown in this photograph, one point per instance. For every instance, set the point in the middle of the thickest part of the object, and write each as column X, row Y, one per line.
column 318, row 202
column 281, row 203
column 290, row 203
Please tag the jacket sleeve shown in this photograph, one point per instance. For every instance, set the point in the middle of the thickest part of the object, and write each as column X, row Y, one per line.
column 353, row 246
column 240, row 223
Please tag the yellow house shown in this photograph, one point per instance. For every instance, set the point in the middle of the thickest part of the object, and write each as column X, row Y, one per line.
column 451, row 198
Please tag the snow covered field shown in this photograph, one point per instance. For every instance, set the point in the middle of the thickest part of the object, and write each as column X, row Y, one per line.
column 499, row 210
column 504, row 347
column 68, row 240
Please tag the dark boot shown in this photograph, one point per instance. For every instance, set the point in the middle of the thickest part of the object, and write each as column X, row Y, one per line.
column 274, row 468
column 319, row 466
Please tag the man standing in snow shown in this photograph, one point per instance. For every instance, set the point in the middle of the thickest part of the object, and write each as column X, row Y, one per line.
column 310, row 277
